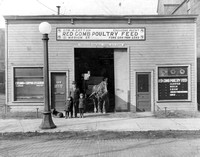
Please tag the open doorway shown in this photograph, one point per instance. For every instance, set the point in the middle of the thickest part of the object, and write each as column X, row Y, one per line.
column 99, row 62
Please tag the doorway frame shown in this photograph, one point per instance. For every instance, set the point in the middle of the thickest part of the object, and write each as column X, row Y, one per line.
column 67, row 83
column 152, row 93
column 116, row 45
column 129, row 80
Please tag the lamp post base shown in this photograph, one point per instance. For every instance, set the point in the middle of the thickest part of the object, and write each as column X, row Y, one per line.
column 47, row 122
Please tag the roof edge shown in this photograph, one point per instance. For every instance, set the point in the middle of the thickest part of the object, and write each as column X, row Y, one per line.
column 64, row 17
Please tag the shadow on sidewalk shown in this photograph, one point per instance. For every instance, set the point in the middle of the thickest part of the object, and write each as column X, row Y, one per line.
column 120, row 115
column 96, row 115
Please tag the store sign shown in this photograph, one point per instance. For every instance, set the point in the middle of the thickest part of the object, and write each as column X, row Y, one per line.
column 29, row 83
column 173, row 83
column 173, row 89
column 101, row 34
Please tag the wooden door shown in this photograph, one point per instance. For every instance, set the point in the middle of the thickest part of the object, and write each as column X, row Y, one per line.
column 58, row 91
column 143, row 92
column 121, row 66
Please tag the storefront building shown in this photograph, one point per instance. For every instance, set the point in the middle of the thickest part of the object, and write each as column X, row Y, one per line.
column 150, row 61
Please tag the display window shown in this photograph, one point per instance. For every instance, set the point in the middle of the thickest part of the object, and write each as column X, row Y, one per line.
column 28, row 84
column 173, row 83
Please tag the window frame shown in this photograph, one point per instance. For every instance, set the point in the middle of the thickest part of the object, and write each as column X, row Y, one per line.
column 188, row 85
column 13, row 84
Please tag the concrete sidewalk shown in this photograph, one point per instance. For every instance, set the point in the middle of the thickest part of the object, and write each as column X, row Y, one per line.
column 92, row 123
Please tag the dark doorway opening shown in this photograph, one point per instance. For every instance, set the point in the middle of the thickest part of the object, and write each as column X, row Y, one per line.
column 100, row 63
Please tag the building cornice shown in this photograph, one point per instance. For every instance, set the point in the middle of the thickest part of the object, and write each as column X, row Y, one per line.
column 99, row 17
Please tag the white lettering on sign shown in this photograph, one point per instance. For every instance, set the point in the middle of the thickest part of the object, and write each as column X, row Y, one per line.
column 30, row 83
column 178, row 91
column 172, row 80
column 101, row 34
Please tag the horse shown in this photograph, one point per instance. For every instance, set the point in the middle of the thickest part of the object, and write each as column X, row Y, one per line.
column 100, row 97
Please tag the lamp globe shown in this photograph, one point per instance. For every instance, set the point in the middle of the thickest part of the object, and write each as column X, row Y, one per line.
column 45, row 28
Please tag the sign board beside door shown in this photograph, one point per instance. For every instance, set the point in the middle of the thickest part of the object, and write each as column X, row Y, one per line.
column 173, row 83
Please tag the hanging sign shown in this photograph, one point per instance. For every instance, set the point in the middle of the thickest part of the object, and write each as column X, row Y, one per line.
column 100, row 34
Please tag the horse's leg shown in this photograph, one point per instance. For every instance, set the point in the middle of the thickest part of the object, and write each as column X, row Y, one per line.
column 104, row 106
column 105, row 103
column 95, row 108
column 99, row 106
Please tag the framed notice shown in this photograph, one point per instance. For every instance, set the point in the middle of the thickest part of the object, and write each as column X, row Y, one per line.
column 173, row 83
column 100, row 34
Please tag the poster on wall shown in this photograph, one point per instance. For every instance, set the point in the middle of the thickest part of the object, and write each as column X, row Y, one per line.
column 173, row 83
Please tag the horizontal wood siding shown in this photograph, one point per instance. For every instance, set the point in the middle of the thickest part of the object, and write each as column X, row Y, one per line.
column 166, row 43
column 169, row 44
column 26, row 49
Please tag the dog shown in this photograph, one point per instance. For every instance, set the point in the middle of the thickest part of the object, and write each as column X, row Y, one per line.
column 57, row 114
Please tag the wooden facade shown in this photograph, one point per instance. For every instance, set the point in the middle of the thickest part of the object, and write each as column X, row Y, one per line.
column 170, row 43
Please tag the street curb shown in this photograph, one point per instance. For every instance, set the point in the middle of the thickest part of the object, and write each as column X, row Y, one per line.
column 102, row 135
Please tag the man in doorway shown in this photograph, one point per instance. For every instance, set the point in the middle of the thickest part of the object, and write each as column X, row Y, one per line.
column 74, row 93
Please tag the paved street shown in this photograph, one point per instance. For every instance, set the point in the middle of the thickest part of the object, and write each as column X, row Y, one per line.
column 101, row 136
column 170, row 147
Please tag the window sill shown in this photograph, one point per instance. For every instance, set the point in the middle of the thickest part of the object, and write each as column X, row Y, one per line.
column 164, row 101
column 27, row 101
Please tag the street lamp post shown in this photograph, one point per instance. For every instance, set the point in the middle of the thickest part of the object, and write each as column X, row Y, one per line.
column 47, row 122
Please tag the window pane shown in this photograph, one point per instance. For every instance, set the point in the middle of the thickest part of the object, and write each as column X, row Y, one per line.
column 173, row 83
column 28, row 88
column 143, row 83
column 172, row 71
column 28, row 71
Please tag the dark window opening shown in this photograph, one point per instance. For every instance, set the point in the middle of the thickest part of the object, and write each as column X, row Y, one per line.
column 143, row 83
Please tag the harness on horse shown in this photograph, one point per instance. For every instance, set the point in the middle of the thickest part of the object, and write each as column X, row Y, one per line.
column 99, row 90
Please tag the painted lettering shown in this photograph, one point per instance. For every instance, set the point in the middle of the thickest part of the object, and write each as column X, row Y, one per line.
column 112, row 33
column 95, row 33
column 123, row 33
column 127, row 33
